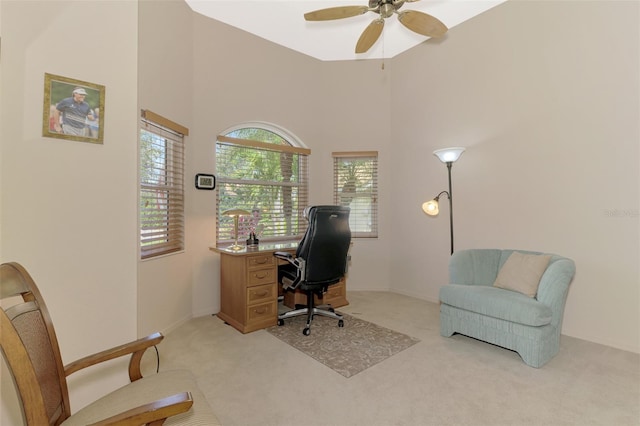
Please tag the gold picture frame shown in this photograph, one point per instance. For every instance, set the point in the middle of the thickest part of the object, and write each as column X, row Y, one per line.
column 73, row 109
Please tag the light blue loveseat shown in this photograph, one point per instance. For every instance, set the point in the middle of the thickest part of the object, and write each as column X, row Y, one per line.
column 472, row 306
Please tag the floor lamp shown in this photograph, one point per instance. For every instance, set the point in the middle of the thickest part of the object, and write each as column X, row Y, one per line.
column 447, row 156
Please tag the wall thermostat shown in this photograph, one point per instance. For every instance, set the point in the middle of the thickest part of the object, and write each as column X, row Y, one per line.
column 205, row 181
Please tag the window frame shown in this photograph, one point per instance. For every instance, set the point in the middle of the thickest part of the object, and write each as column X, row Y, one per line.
column 170, row 238
column 370, row 193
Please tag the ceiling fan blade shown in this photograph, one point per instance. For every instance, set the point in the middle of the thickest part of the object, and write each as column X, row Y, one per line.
column 370, row 35
column 335, row 13
column 422, row 23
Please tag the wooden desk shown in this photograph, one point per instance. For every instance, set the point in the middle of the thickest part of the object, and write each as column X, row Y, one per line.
column 249, row 287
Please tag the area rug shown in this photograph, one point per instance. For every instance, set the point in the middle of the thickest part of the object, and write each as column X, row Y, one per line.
column 347, row 350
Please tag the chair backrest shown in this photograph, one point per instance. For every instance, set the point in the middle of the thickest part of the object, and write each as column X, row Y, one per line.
column 325, row 245
column 30, row 348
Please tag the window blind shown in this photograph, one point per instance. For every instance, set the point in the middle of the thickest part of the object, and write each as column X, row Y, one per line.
column 161, row 186
column 355, row 185
column 266, row 179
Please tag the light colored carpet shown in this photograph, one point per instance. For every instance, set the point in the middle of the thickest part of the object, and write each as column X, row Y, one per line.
column 347, row 350
column 255, row 379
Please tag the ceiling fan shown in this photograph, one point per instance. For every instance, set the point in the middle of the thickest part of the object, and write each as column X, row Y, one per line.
column 416, row 21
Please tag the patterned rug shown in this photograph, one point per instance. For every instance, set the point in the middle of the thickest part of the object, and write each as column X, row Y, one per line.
column 347, row 350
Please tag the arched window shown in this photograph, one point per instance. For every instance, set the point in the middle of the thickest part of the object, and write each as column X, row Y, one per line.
column 263, row 170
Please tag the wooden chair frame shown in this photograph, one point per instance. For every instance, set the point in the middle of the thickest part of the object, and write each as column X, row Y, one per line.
column 27, row 374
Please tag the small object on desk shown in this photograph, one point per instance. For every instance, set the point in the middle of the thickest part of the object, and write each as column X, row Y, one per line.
column 235, row 213
column 252, row 240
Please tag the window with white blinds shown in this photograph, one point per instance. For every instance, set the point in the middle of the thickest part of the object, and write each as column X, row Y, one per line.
column 262, row 173
column 355, row 185
column 161, row 219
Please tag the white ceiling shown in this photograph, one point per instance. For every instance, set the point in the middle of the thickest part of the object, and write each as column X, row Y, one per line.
column 282, row 22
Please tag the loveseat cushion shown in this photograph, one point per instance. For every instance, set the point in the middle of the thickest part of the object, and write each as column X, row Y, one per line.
column 522, row 272
column 496, row 302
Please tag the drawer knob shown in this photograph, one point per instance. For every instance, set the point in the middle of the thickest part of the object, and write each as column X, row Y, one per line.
column 261, row 293
column 260, row 311
column 261, row 275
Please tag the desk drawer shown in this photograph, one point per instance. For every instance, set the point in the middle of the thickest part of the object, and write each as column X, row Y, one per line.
column 335, row 292
column 260, row 294
column 262, row 312
column 261, row 276
column 261, row 260
column 336, row 296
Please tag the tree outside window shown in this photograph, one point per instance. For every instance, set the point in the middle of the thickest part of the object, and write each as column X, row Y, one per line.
column 260, row 171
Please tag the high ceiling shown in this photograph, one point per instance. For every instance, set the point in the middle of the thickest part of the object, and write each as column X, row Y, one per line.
column 282, row 22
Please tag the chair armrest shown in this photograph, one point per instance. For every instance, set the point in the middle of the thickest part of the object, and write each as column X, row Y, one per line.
column 284, row 255
column 153, row 413
column 135, row 348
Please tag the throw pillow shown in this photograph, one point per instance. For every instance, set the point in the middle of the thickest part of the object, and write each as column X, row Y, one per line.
column 522, row 272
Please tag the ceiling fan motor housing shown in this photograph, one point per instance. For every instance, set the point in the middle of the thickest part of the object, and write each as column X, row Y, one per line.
column 385, row 8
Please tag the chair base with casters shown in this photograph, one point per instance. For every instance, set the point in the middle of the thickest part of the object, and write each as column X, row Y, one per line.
column 310, row 311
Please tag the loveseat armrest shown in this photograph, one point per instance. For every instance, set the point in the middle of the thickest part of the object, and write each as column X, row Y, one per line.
column 554, row 286
column 136, row 349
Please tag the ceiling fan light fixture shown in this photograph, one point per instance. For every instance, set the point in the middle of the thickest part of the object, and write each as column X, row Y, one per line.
column 386, row 10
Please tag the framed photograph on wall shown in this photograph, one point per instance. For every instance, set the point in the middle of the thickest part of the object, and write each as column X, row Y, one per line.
column 73, row 109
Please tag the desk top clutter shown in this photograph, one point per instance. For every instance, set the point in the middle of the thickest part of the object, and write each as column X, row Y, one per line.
column 262, row 247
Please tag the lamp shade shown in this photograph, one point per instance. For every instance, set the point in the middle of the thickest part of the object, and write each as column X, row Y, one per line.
column 431, row 207
column 236, row 212
column 449, row 155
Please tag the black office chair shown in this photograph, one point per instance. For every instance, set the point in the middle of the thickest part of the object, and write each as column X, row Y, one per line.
column 320, row 261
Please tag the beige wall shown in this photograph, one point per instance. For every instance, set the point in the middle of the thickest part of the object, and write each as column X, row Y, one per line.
column 329, row 106
column 165, row 295
column 69, row 208
column 548, row 108
column 546, row 104
column 233, row 78
column 537, row 109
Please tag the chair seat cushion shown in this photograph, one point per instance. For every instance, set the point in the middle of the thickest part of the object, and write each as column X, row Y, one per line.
column 146, row 390
column 498, row 303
